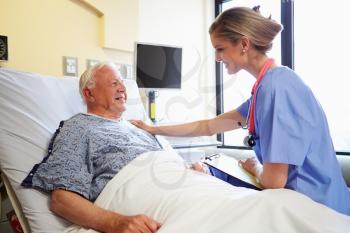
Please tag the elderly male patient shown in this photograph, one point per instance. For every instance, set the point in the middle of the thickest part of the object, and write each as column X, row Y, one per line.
column 87, row 150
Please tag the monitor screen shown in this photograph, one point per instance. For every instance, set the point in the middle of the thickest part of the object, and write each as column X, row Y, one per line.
column 158, row 66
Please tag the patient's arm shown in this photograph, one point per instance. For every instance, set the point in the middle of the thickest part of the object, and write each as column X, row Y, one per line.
column 224, row 122
column 270, row 175
column 80, row 211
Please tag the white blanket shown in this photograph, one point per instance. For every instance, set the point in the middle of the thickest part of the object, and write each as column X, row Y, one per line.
column 159, row 185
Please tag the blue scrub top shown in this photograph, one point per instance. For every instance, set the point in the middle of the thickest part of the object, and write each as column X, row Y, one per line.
column 291, row 128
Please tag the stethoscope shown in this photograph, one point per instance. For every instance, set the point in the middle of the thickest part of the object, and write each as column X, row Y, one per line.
column 250, row 139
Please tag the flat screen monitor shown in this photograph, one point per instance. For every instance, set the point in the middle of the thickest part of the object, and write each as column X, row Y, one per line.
column 158, row 66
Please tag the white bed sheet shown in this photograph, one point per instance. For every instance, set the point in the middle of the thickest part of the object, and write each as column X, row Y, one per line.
column 184, row 200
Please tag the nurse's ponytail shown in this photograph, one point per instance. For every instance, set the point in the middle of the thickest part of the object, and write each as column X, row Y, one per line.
column 236, row 22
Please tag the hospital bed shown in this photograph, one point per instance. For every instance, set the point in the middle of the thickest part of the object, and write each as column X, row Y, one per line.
column 31, row 107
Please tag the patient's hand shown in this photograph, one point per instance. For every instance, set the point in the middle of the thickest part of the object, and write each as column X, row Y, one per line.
column 200, row 167
column 137, row 223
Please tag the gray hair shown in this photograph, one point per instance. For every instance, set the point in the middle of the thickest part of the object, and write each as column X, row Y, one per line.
column 87, row 79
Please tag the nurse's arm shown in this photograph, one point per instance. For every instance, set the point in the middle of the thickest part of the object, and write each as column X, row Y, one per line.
column 224, row 122
column 274, row 175
column 270, row 175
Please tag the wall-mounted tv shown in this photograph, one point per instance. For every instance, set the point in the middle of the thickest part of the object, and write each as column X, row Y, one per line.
column 158, row 66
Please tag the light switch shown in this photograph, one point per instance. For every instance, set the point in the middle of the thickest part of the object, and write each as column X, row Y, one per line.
column 70, row 66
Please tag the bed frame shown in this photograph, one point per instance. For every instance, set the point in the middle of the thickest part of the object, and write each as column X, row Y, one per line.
column 15, row 204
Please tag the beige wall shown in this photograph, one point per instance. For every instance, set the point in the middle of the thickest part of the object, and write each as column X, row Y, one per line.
column 40, row 32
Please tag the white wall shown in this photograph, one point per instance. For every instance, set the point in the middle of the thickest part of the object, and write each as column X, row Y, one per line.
column 183, row 23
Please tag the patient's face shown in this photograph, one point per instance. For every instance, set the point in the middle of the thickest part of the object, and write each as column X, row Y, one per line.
column 109, row 93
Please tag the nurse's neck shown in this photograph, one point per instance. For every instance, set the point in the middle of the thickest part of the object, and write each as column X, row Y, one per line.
column 255, row 64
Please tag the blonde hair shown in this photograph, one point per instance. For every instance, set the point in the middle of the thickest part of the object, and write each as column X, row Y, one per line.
column 236, row 22
column 87, row 79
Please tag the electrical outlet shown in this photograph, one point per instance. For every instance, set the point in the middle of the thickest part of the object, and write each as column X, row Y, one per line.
column 129, row 72
column 91, row 62
column 124, row 70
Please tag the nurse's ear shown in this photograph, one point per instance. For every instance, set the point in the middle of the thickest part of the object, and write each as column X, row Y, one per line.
column 245, row 44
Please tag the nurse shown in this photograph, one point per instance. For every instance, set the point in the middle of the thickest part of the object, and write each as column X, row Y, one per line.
column 288, row 129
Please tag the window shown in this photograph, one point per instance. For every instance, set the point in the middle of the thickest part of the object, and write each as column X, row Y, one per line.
column 321, row 50
column 320, row 46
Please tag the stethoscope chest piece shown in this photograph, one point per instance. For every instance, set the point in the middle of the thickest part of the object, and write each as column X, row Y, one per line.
column 249, row 140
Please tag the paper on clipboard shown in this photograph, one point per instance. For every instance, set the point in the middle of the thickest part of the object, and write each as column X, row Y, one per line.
column 231, row 166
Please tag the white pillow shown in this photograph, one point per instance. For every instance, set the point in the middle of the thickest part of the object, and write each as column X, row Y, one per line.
column 31, row 107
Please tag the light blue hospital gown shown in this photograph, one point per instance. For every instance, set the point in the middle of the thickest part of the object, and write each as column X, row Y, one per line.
column 86, row 152
column 292, row 128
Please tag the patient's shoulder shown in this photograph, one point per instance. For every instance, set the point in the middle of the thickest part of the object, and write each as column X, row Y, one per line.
column 74, row 127
column 77, row 121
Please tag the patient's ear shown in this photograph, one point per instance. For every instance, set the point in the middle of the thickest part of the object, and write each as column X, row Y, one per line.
column 88, row 95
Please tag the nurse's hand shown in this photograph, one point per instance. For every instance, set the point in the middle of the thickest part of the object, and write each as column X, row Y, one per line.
column 252, row 165
column 142, row 125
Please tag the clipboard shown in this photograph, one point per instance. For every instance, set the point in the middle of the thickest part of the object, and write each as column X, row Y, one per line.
column 228, row 169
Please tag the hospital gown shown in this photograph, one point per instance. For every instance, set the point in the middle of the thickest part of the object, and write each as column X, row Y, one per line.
column 86, row 152
column 291, row 128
